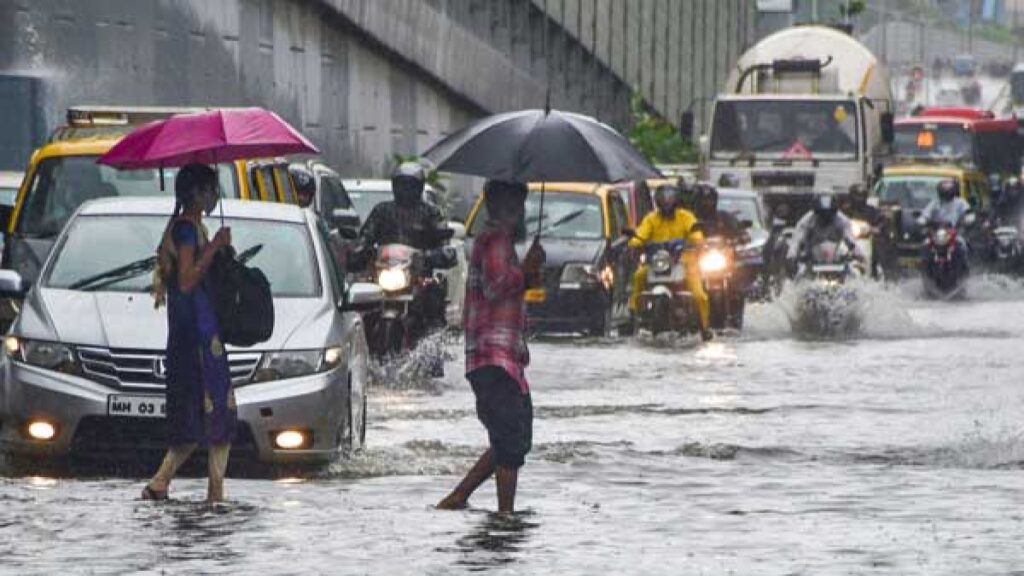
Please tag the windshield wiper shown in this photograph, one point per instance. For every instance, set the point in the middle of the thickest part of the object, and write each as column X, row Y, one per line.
column 563, row 220
column 115, row 275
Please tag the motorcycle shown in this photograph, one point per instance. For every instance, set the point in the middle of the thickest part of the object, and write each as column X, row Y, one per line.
column 717, row 264
column 827, row 305
column 665, row 304
column 944, row 272
column 414, row 297
column 1007, row 250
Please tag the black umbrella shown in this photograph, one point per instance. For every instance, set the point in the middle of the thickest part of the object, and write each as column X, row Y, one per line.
column 541, row 146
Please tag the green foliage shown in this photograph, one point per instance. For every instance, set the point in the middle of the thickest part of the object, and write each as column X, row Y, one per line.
column 656, row 138
column 852, row 9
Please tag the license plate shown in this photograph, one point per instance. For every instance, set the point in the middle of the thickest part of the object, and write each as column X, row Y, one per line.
column 136, row 406
column 535, row 295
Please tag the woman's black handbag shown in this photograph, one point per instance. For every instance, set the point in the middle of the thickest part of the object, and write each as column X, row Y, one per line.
column 242, row 299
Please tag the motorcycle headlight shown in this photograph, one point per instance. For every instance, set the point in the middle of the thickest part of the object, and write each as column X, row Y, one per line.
column 860, row 229
column 713, row 261
column 661, row 262
column 48, row 355
column 393, row 279
column 296, row 364
column 941, row 237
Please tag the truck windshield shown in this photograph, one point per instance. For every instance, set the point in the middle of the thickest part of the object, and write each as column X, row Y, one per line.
column 951, row 141
column 62, row 184
column 785, row 129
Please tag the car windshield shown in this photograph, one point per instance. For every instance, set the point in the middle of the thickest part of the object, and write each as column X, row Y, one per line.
column 365, row 200
column 909, row 192
column 784, row 129
column 62, row 184
column 97, row 245
column 933, row 141
column 742, row 209
column 566, row 215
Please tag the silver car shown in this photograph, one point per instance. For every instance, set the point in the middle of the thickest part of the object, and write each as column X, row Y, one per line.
column 82, row 369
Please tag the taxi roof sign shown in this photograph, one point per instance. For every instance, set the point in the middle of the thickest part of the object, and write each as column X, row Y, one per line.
column 124, row 115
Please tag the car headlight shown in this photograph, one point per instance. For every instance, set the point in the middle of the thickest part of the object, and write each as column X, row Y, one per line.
column 860, row 229
column 296, row 364
column 713, row 261
column 393, row 279
column 48, row 355
column 661, row 262
column 578, row 275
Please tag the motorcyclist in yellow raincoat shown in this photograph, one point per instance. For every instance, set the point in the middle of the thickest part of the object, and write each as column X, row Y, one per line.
column 665, row 224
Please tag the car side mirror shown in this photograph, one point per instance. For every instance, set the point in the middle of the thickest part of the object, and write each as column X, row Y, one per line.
column 686, row 124
column 458, row 230
column 347, row 233
column 888, row 131
column 778, row 224
column 629, row 232
column 12, row 285
column 746, row 224
column 363, row 295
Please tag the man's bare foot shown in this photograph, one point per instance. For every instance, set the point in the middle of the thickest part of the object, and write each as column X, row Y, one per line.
column 453, row 502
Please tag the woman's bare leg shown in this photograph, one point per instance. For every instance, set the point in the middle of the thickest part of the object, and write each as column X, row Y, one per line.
column 176, row 456
column 218, row 464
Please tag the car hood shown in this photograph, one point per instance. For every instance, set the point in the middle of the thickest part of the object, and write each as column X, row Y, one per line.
column 129, row 320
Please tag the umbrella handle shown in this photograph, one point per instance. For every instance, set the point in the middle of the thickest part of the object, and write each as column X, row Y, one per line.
column 540, row 215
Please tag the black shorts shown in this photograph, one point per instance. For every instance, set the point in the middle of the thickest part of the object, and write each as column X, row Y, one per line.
column 506, row 412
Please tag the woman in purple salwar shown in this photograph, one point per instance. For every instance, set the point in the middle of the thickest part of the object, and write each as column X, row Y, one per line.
column 200, row 402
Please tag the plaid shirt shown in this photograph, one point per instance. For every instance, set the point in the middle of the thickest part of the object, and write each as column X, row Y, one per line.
column 495, row 314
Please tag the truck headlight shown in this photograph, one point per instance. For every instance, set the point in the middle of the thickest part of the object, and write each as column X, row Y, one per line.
column 393, row 279
column 296, row 364
column 48, row 355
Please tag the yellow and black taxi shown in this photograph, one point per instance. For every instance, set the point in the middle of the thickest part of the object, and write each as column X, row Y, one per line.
column 904, row 190
column 588, row 270
column 63, row 174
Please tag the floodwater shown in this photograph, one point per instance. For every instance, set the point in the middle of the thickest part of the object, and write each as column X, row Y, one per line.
column 898, row 450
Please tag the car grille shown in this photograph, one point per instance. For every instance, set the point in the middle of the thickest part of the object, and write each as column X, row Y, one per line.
column 145, row 370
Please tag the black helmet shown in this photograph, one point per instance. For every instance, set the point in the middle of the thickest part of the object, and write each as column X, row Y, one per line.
column 666, row 198
column 858, row 193
column 948, row 189
column 825, row 207
column 705, row 199
column 305, row 183
column 407, row 183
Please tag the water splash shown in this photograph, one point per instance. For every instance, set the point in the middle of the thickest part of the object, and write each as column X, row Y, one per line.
column 415, row 369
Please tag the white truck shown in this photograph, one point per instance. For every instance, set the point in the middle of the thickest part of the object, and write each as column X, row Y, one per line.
column 806, row 110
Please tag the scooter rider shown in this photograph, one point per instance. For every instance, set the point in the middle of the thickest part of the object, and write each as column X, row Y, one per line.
column 665, row 224
column 950, row 209
column 411, row 221
column 823, row 223
column 856, row 207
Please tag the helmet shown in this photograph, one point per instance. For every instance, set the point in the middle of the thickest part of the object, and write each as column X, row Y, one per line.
column 407, row 183
column 948, row 189
column 858, row 193
column 303, row 178
column 825, row 207
column 728, row 180
column 665, row 198
column 705, row 199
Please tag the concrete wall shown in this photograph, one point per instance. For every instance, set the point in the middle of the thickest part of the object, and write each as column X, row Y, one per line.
column 369, row 78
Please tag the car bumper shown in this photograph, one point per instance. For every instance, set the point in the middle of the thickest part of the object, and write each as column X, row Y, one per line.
column 77, row 407
column 568, row 310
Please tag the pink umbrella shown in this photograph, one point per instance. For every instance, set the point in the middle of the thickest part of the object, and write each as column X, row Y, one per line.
column 207, row 137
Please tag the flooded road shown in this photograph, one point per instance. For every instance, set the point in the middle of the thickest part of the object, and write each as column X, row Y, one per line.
column 898, row 451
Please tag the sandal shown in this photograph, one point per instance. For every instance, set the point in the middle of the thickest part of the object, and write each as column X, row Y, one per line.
column 155, row 495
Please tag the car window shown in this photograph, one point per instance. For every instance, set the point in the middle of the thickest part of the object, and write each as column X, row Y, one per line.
column 267, row 174
column 567, row 215
column 618, row 218
column 96, row 244
column 741, row 209
column 333, row 195
column 910, row 192
column 62, row 184
column 365, row 200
